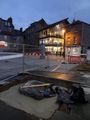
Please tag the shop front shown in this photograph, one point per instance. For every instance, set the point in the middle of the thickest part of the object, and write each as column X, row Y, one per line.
column 53, row 45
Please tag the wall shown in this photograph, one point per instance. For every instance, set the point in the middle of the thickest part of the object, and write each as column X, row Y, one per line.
column 72, row 34
column 85, row 35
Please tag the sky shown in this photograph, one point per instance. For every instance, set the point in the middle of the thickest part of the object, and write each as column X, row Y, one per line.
column 25, row 12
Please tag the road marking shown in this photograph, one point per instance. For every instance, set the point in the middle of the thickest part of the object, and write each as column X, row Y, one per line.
column 55, row 68
column 11, row 56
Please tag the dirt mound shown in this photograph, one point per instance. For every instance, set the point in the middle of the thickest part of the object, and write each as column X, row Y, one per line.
column 84, row 66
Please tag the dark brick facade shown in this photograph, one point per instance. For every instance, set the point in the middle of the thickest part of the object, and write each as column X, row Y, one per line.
column 77, row 34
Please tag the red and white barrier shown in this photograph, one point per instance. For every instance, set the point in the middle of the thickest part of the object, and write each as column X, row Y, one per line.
column 74, row 59
column 35, row 54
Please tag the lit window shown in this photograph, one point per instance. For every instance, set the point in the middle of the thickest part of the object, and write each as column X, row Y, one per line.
column 68, row 40
column 75, row 40
column 57, row 26
column 46, row 41
column 5, row 37
column 6, row 44
column 14, row 45
column 41, row 41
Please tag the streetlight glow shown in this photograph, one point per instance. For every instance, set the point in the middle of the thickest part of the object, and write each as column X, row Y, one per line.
column 63, row 31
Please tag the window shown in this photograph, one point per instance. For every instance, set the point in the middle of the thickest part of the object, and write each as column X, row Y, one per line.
column 68, row 30
column 10, row 29
column 40, row 41
column 14, row 45
column 32, row 29
column 75, row 29
column 68, row 40
column 44, row 32
column 6, row 23
column 5, row 37
column 75, row 40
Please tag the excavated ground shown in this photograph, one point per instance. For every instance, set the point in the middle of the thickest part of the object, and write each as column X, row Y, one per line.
column 84, row 66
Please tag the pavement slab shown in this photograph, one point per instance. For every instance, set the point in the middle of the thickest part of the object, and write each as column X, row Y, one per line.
column 81, row 111
column 9, row 113
column 63, row 116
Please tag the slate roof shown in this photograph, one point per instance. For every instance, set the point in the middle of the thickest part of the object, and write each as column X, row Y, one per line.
column 52, row 25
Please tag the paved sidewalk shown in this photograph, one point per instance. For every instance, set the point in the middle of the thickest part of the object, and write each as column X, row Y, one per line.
column 9, row 113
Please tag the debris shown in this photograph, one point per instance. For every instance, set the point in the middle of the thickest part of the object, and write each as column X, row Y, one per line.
column 39, row 85
column 38, row 90
column 76, row 94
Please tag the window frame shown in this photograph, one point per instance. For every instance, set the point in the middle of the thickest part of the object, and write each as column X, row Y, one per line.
column 75, row 40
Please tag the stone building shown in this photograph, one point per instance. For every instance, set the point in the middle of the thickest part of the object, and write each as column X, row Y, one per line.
column 77, row 34
column 18, row 40
column 6, row 32
column 30, row 33
column 9, row 36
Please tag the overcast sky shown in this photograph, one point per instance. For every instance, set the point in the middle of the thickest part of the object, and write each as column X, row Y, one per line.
column 25, row 12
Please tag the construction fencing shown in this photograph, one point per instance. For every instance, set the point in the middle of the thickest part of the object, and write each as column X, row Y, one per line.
column 18, row 58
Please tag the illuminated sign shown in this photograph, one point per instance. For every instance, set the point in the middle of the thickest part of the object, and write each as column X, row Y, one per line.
column 75, row 55
column 75, row 51
column 3, row 44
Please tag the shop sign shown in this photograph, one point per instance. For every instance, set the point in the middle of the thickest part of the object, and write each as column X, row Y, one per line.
column 75, row 55
column 75, row 51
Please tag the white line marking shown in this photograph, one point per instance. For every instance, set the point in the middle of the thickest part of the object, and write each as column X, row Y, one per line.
column 11, row 56
column 55, row 68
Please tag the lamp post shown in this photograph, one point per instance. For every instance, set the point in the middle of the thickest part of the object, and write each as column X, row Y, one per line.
column 63, row 31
